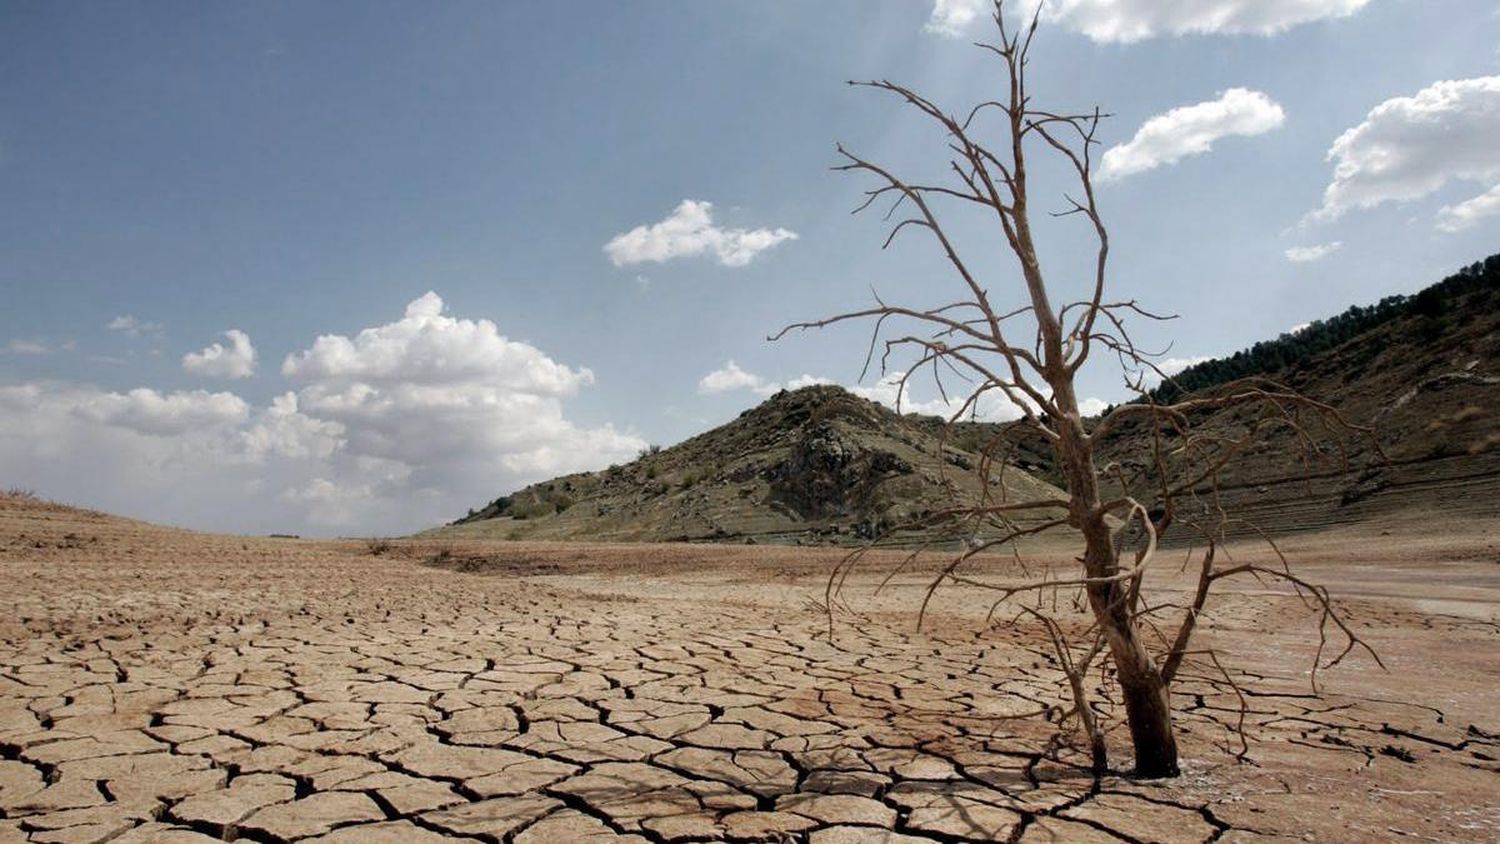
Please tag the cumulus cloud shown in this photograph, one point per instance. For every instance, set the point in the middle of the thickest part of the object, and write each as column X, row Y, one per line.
column 427, row 348
column 453, row 399
column 807, row 381
column 141, row 411
column 952, row 17
column 689, row 231
column 147, row 411
column 1316, row 252
column 1409, row 147
column 1172, row 366
column 1192, row 130
column 130, row 326
column 237, row 360
column 399, row 427
column 182, row 457
column 1092, row 406
column 1467, row 214
column 283, row 431
column 731, row 377
column 1136, row 20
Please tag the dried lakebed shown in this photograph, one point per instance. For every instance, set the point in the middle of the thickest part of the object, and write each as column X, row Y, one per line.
column 160, row 685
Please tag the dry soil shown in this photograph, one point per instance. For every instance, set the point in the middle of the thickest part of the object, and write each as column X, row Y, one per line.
column 162, row 685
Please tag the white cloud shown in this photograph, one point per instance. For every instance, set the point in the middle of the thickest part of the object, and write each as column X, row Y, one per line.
column 1192, row 130
column 149, row 412
column 400, row 427
column 282, row 430
column 731, row 377
column 237, row 360
column 1092, row 406
column 1172, row 366
column 427, row 348
column 342, row 504
column 1467, row 214
column 27, row 347
column 1135, row 20
column 805, row 380
column 130, row 326
column 1300, row 327
column 1316, row 252
column 467, row 410
column 952, row 17
column 689, row 231
column 183, row 457
column 1409, row 147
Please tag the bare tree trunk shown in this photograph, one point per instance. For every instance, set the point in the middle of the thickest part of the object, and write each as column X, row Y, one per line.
column 1148, row 705
column 1147, row 698
column 1148, row 708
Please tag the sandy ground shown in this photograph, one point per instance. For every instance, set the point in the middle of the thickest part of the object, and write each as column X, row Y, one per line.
column 160, row 685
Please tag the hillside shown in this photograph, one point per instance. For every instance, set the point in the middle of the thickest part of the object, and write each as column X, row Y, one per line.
column 822, row 466
column 1436, row 309
column 1422, row 371
column 811, row 466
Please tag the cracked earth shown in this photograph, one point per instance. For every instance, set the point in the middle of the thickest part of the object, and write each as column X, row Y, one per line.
column 160, row 685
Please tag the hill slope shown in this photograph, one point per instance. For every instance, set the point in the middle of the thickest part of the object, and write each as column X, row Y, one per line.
column 816, row 465
column 821, row 466
column 1422, row 371
column 1425, row 376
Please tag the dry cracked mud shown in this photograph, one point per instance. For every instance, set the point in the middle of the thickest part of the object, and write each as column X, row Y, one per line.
column 160, row 685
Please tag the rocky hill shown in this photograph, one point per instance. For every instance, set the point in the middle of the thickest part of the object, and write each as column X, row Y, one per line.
column 811, row 466
column 820, row 465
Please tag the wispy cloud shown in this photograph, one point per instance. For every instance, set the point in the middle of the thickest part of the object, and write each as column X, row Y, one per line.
column 131, row 326
column 1309, row 254
column 27, row 347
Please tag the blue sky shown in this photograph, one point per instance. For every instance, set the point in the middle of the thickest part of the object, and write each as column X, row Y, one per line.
column 294, row 170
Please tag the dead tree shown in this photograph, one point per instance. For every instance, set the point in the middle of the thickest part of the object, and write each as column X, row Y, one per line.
column 1031, row 356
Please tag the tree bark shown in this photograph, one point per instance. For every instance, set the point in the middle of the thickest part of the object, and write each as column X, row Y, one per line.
column 1148, row 704
column 1147, row 698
